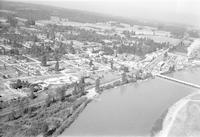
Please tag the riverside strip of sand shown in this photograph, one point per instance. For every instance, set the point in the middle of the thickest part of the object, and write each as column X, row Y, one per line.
column 183, row 118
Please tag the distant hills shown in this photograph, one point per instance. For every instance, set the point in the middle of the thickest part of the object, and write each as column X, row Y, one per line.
column 38, row 12
column 42, row 12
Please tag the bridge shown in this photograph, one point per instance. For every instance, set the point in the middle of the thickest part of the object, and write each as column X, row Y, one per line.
column 178, row 81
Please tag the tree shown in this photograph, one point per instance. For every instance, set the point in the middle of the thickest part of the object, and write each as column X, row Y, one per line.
column 138, row 74
column 194, row 33
column 18, row 72
column 48, row 100
column 45, row 128
column 125, row 69
column 37, row 72
column 172, row 67
column 23, row 105
column 194, row 50
column 61, row 93
column 44, row 60
column 11, row 116
column 30, row 109
column 91, row 63
column 111, row 64
column 82, row 84
column 17, row 84
column 76, row 90
column 71, row 49
column 31, row 90
column 51, row 35
column 4, row 51
column 4, row 65
column 124, row 78
column 108, row 50
column 12, row 21
column 35, row 38
column 97, row 85
column 165, row 54
column 36, row 128
column 30, row 22
column 57, row 66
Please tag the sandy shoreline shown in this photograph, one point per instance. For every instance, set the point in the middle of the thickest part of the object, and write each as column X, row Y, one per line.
column 173, row 112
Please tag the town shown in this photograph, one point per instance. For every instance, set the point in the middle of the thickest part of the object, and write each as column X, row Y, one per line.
column 51, row 69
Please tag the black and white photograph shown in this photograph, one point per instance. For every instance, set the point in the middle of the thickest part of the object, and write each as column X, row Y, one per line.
column 99, row 68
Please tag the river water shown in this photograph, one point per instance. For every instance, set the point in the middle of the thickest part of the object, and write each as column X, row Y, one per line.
column 131, row 110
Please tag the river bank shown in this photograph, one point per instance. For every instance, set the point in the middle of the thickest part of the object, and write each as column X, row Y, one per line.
column 128, row 110
column 45, row 120
column 173, row 111
column 178, row 118
column 60, row 116
column 91, row 95
column 55, row 117
column 121, row 101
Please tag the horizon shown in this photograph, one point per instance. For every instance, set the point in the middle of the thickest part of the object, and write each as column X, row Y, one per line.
column 168, row 11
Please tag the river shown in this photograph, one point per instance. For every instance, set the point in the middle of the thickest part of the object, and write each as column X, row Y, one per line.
column 131, row 110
